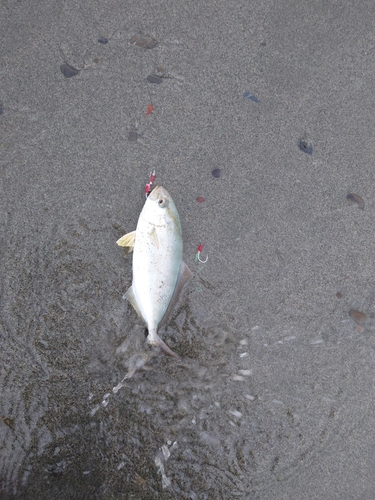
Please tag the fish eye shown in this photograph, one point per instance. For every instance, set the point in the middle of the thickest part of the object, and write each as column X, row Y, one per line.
column 162, row 202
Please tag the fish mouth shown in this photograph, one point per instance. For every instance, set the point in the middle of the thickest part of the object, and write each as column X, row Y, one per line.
column 158, row 192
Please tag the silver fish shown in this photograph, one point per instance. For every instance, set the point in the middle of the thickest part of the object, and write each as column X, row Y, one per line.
column 159, row 272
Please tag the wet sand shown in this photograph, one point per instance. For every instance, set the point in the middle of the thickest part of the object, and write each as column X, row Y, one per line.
column 274, row 398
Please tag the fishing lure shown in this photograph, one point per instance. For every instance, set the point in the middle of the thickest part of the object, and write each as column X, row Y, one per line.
column 149, row 184
column 197, row 255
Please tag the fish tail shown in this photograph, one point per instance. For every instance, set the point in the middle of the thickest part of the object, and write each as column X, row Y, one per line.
column 155, row 340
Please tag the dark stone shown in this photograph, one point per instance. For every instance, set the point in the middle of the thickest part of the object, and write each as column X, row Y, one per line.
column 305, row 147
column 251, row 97
column 133, row 136
column 154, row 79
column 68, row 71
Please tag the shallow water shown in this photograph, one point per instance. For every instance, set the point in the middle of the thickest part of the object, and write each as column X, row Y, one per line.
column 248, row 407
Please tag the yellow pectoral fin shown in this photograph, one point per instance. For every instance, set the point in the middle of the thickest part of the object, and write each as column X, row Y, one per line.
column 127, row 241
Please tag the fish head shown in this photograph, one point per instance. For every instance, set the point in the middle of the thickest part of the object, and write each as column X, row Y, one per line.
column 160, row 196
column 160, row 207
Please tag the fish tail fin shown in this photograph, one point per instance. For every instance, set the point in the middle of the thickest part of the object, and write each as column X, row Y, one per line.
column 155, row 340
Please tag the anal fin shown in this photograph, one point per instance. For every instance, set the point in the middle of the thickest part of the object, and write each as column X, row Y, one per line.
column 129, row 295
column 184, row 275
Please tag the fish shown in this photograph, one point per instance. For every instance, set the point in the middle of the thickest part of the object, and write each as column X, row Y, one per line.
column 159, row 272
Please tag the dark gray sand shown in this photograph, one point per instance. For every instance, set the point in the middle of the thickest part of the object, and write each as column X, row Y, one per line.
column 275, row 395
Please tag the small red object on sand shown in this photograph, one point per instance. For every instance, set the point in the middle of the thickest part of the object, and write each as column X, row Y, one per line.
column 150, row 109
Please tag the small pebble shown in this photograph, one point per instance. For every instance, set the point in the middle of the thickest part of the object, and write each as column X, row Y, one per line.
column 305, row 147
column 154, row 79
column 277, row 402
column 145, row 41
column 216, row 172
column 359, row 317
column 138, row 480
column 339, row 295
column 251, row 97
column 68, row 71
column 246, row 373
column 354, row 198
column 235, row 413
column 200, row 199
column 103, row 40
column 133, row 136
column 8, row 421
column 1, row 108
